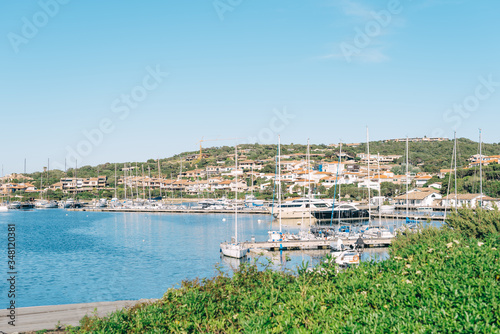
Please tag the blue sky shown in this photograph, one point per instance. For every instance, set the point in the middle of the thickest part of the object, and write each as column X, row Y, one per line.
column 245, row 69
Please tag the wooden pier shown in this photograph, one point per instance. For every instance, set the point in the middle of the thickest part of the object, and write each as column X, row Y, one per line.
column 411, row 217
column 313, row 244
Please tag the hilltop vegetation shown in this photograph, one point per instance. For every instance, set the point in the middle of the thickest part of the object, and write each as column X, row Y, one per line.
column 428, row 157
column 468, row 181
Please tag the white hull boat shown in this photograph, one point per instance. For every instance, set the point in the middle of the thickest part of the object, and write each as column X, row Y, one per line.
column 234, row 250
column 346, row 258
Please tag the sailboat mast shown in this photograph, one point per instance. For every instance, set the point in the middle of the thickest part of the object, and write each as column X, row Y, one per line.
column 159, row 177
column 338, row 171
column 251, row 187
column 480, row 170
column 379, row 191
column 279, row 179
column 181, row 179
column 236, row 194
column 125, row 179
column 136, row 182
column 149, row 182
column 143, row 189
column 48, row 178
column 406, row 179
column 309, row 179
column 115, row 180
column 455, row 168
column 368, row 152
column 76, row 178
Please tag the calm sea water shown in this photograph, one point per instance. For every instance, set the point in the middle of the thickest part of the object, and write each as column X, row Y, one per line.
column 80, row 257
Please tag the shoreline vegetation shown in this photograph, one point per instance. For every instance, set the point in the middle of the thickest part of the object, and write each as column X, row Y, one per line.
column 440, row 280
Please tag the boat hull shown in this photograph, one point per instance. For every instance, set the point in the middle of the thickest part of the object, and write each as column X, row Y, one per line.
column 340, row 214
column 236, row 251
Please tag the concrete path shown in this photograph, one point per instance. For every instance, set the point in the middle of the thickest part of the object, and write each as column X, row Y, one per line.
column 47, row 317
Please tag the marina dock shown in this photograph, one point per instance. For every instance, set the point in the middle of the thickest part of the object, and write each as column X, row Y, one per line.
column 312, row 244
column 411, row 217
column 194, row 211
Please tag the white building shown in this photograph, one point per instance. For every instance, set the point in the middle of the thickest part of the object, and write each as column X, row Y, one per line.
column 419, row 197
column 467, row 200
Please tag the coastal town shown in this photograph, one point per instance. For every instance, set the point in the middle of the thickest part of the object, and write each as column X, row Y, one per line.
column 316, row 173
column 230, row 166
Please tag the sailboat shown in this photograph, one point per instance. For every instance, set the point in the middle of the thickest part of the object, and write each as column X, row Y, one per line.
column 278, row 235
column 234, row 249
column 373, row 231
column 480, row 169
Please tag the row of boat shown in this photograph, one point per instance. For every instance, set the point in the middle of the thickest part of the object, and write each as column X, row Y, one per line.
column 42, row 204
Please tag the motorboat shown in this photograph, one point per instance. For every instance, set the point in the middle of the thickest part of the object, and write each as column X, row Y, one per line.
column 346, row 258
column 27, row 206
column 215, row 204
column 377, row 232
column 299, row 208
column 343, row 211
column 14, row 205
column 252, row 201
column 41, row 204
column 51, row 205
column 72, row 204
column 102, row 203
column 46, row 204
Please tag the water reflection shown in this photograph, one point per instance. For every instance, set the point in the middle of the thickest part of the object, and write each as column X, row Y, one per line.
column 289, row 261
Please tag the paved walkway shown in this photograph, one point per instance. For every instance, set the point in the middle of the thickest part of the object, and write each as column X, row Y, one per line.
column 46, row 317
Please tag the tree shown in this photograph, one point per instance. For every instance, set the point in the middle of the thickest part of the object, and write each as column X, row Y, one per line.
column 268, row 169
column 321, row 189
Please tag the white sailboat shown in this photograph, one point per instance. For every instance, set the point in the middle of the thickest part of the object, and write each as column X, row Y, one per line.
column 480, row 169
column 234, row 249
column 278, row 235
column 3, row 208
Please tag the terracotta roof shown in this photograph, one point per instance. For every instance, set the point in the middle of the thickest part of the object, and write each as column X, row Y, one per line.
column 416, row 195
column 465, row 197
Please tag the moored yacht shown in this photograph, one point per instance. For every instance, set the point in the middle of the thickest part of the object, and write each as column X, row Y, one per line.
column 14, row 205
column 252, row 201
column 299, row 208
column 72, row 204
column 343, row 211
column 51, row 205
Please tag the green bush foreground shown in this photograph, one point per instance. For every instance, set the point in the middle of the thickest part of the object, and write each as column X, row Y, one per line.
column 440, row 280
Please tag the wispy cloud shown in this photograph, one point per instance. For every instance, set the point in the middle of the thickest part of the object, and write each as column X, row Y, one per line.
column 353, row 9
column 369, row 55
column 367, row 27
